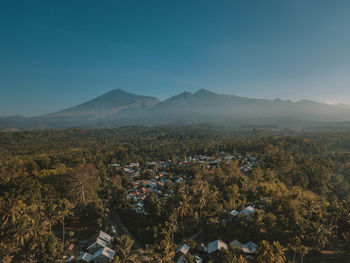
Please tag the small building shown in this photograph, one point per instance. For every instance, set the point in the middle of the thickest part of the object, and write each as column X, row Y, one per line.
column 98, row 244
column 216, row 245
column 249, row 247
column 233, row 213
column 103, row 255
column 183, row 249
column 247, row 211
column 253, row 248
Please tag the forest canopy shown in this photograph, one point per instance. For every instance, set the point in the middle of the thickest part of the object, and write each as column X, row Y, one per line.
column 54, row 185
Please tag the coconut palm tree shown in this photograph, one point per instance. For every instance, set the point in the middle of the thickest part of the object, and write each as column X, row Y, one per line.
column 265, row 253
column 184, row 207
column 164, row 252
column 321, row 234
column 201, row 192
column 65, row 208
column 279, row 252
column 51, row 213
column 271, row 253
column 11, row 210
column 124, row 250
column 33, row 226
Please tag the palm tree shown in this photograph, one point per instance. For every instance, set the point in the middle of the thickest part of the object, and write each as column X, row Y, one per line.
column 279, row 252
column 271, row 253
column 33, row 226
column 123, row 249
column 11, row 210
column 265, row 253
column 164, row 252
column 51, row 214
column 321, row 234
column 201, row 192
column 184, row 208
column 310, row 207
column 65, row 208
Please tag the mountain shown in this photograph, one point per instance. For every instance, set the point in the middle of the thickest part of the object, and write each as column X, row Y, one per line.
column 111, row 104
column 118, row 108
column 116, row 104
column 206, row 106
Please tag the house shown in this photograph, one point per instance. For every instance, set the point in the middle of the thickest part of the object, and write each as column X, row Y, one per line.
column 183, row 249
column 98, row 250
column 247, row 211
column 103, row 255
column 98, row 244
column 104, row 236
column 248, row 247
column 216, row 245
column 100, row 256
column 98, row 241
column 233, row 213
column 236, row 244
column 253, row 248
column 73, row 249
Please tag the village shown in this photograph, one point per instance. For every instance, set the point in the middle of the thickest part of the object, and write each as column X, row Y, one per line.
column 99, row 248
column 159, row 184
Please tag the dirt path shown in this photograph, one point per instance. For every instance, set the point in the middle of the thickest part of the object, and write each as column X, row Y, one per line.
column 118, row 223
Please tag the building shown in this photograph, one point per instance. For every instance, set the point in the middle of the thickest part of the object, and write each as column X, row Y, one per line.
column 216, row 245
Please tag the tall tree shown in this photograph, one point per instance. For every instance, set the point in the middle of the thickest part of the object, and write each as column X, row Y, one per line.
column 65, row 208
column 83, row 181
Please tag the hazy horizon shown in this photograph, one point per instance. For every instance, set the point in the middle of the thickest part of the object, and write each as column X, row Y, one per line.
column 164, row 99
column 55, row 55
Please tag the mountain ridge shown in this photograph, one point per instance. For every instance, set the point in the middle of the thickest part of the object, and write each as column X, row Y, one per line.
column 119, row 108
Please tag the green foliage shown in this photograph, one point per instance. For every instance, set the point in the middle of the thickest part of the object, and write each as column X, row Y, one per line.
column 52, row 181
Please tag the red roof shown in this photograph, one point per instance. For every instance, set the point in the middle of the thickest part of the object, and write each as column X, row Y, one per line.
column 71, row 247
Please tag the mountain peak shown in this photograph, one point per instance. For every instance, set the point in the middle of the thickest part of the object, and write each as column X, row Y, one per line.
column 109, row 103
column 116, row 92
column 204, row 92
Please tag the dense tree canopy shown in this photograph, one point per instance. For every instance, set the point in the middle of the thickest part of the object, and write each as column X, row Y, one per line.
column 52, row 184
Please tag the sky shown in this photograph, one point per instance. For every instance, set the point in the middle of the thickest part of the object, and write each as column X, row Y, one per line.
column 56, row 54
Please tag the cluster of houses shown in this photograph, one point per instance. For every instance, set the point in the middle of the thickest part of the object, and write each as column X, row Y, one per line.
column 207, row 251
column 246, row 212
column 95, row 250
column 162, row 183
column 203, row 251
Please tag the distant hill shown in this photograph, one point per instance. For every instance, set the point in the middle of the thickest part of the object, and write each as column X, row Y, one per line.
column 118, row 108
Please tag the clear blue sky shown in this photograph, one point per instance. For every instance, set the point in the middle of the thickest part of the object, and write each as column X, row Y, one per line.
column 55, row 54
